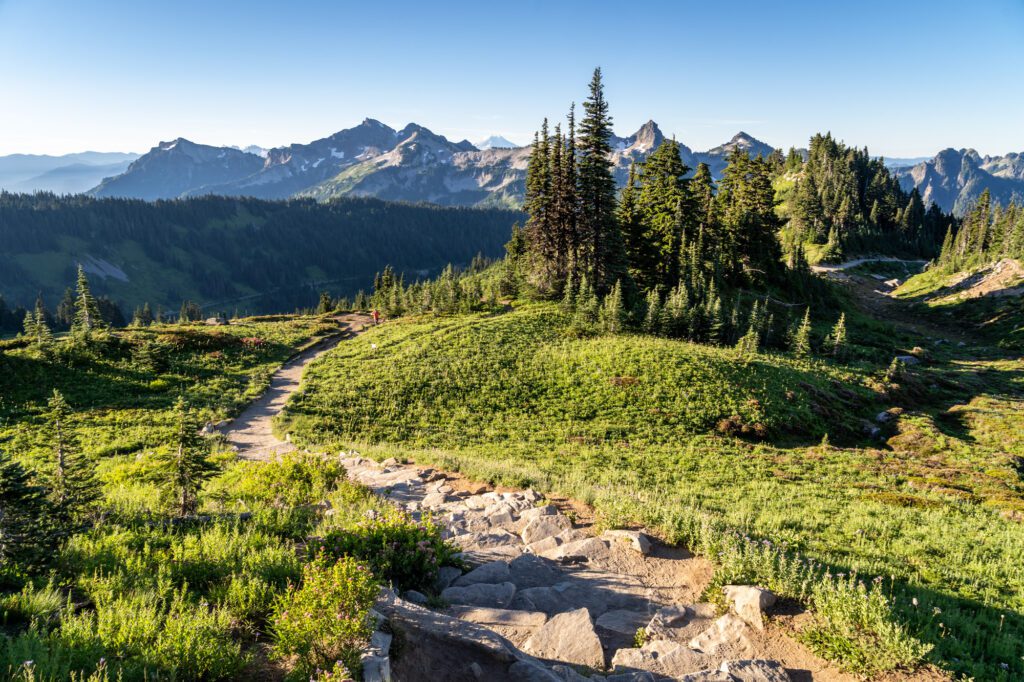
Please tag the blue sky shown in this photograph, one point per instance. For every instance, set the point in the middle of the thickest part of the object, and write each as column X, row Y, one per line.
column 905, row 78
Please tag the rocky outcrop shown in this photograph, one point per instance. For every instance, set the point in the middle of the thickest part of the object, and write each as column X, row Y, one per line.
column 547, row 600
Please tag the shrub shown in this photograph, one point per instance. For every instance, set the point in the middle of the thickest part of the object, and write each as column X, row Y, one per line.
column 854, row 623
column 327, row 618
column 399, row 550
column 39, row 605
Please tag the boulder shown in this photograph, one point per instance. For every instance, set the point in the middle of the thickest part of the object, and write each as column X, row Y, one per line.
column 568, row 637
column 545, row 527
column 749, row 602
column 494, row 572
column 531, row 671
column 415, row 597
column 755, row 670
column 481, row 594
column 637, row 540
column 446, row 575
column 660, row 656
column 729, row 635
column 622, row 621
column 567, row 674
column 534, row 512
column 587, row 549
column 439, row 647
column 528, row 570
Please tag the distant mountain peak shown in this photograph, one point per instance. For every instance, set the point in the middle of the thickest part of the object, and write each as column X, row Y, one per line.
column 496, row 142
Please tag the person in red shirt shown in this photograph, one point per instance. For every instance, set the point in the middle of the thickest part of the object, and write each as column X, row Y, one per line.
column 376, row 316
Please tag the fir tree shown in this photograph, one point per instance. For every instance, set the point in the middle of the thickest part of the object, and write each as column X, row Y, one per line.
column 23, row 509
column 838, row 337
column 802, row 338
column 613, row 311
column 187, row 465
column 652, row 317
column 87, row 311
column 602, row 250
column 73, row 490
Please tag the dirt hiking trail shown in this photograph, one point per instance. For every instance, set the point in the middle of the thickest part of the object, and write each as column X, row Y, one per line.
column 251, row 432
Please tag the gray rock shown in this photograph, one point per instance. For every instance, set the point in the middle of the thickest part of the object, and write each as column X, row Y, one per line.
column 587, row 549
column 908, row 360
column 662, row 657
column 544, row 527
column 389, row 462
column 531, row 671
column 622, row 621
column 375, row 668
column 496, row 537
column 729, row 634
column 415, row 597
column 545, row 545
column 755, row 670
column 434, row 500
column 499, row 617
column 637, row 676
column 568, row 637
column 528, row 570
column 535, row 512
column 750, row 603
column 446, row 575
column 439, row 647
column 567, row 674
column 494, row 572
column 706, row 676
column 637, row 540
column 481, row 594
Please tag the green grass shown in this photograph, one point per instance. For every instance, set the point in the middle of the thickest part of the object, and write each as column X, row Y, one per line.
column 137, row 596
column 632, row 426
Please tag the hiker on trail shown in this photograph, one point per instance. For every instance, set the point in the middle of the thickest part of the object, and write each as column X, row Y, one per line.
column 376, row 316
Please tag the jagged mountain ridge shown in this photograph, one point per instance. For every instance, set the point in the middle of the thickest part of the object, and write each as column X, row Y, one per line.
column 955, row 178
column 372, row 159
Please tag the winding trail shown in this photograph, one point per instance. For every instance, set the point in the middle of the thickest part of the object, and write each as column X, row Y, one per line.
column 837, row 267
column 251, row 432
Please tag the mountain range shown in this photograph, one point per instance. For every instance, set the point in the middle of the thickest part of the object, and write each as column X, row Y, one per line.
column 415, row 164
column 372, row 159
column 67, row 174
column 954, row 179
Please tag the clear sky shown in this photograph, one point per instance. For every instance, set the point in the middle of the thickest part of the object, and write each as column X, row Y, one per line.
column 905, row 78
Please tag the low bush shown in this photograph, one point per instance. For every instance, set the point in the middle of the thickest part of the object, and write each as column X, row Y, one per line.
column 399, row 550
column 326, row 619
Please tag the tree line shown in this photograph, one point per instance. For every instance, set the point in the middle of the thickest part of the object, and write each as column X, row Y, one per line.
column 987, row 233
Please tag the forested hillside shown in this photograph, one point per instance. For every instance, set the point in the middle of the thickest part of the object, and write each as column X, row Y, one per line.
column 841, row 202
column 227, row 254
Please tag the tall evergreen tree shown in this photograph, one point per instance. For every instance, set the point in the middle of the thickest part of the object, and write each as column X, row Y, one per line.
column 663, row 200
column 73, row 489
column 23, row 509
column 602, row 251
column 838, row 337
column 186, row 466
column 87, row 311
column 802, row 338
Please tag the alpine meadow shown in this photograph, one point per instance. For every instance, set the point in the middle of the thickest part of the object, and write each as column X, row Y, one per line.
column 394, row 406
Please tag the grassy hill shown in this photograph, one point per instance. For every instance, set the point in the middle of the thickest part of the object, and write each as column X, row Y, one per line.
column 140, row 592
column 706, row 444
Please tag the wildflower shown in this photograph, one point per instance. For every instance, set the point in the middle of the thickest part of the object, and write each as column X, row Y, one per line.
column 914, row 602
column 28, row 664
column 936, row 611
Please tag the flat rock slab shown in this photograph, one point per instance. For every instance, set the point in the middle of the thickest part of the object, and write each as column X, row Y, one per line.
column 503, row 617
column 622, row 621
column 481, row 594
column 568, row 637
column 494, row 572
column 755, row 670
column 662, row 657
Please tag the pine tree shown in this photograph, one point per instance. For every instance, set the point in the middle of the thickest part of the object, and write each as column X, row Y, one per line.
column 187, row 465
column 652, row 318
column 663, row 201
column 838, row 337
column 569, row 295
column 802, row 338
column 87, row 311
column 325, row 304
column 613, row 311
column 24, row 537
column 602, row 250
column 73, row 489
